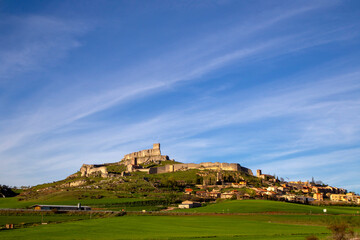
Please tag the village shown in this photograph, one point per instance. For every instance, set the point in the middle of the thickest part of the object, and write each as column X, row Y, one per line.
column 292, row 191
column 266, row 186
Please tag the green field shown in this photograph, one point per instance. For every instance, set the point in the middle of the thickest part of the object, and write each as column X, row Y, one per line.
column 170, row 227
column 265, row 206
column 38, row 219
column 242, row 219
column 72, row 198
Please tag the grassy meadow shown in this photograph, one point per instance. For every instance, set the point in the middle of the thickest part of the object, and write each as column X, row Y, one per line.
column 171, row 227
column 106, row 202
column 230, row 219
column 266, row 206
column 30, row 219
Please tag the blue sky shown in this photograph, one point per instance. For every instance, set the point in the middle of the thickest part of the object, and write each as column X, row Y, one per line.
column 273, row 85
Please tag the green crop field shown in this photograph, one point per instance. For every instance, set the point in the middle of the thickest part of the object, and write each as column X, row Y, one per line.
column 291, row 222
column 263, row 206
column 30, row 219
column 170, row 227
column 71, row 198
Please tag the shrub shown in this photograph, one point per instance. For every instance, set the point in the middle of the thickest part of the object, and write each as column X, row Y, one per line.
column 341, row 231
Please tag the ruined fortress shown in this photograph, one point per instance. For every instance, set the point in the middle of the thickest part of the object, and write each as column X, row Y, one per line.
column 137, row 161
column 145, row 156
column 216, row 166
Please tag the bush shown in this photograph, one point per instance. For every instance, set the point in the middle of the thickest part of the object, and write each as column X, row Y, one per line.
column 341, row 231
column 6, row 191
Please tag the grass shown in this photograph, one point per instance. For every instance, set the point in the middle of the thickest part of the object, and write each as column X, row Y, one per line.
column 188, row 177
column 293, row 225
column 69, row 198
column 116, row 168
column 263, row 206
column 26, row 219
column 169, row 227
column 162, row 163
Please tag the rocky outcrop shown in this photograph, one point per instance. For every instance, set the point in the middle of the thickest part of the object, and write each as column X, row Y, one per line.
column 77, row 183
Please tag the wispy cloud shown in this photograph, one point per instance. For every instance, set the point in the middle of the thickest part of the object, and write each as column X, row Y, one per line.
column 40, row 40
column 153, row 78
column 64, row 123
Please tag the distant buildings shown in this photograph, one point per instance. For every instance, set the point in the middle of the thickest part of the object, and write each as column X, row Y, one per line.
column 189, row 204
column 267, row 177
column 349, row 197
column 318, row 196
column 62, row 207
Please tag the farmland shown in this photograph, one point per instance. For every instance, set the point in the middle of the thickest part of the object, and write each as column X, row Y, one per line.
column 247, row 219
column 263, row 206
column 165, row 227
column 107, row 201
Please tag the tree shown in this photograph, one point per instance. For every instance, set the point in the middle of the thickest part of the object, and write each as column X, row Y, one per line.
column 312, row 180
column 319, row 182
column 6, row 191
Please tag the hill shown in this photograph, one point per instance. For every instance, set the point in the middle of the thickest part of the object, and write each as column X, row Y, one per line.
column 145, row 177
column 148, row 180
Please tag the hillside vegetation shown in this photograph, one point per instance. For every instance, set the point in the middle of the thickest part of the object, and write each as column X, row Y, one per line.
column 138, row 191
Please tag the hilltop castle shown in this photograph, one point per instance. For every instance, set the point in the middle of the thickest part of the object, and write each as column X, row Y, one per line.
column 137, row 161
column 145, row 156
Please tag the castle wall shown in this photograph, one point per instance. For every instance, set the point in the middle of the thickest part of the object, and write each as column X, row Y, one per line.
column 145, row 170
column 133, row 160
column 155, row 151
column 143, row 153
column 207, row 165
column 143, row 156
column 156, row 146
column 88, row 170
column 246, row 170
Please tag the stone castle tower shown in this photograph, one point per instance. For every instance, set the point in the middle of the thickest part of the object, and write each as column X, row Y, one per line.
column 145, row 156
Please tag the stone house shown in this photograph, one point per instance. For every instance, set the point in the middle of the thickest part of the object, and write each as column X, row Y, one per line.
column 227, row 195
column 338, row 198
column 201, row 194
column 188, row 190
column 318, row 196
column 189, row 204
column 214, row 195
